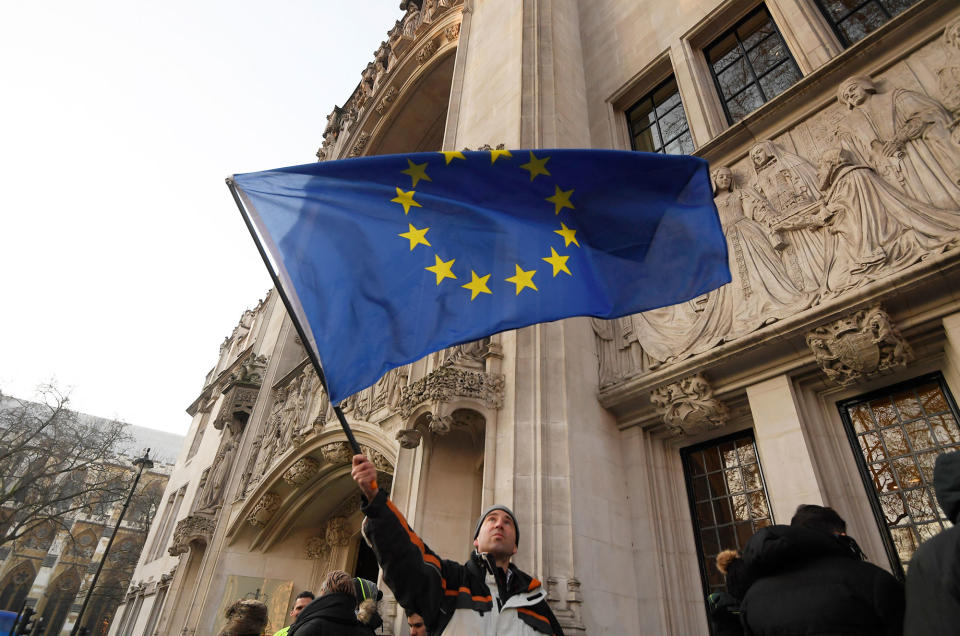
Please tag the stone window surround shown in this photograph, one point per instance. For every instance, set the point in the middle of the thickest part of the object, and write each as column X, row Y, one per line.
column 806, row 31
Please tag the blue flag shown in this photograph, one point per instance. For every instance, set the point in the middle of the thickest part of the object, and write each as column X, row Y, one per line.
column 385, row 259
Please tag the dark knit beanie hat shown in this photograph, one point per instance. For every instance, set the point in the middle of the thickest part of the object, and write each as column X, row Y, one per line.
column 486, row 512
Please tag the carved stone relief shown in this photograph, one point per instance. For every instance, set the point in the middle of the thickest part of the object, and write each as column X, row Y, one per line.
column 264, row 509
column 409, row 437
column 863, row 343
column 426, row 52
column 565, row 600
column 360, row 144
column 884, row 196
column 688, row 407
column 302, row 471
column 449, row 382
column 337, row 453
column 193, row 528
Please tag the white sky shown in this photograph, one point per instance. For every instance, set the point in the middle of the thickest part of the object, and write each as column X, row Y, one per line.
column 123, row 260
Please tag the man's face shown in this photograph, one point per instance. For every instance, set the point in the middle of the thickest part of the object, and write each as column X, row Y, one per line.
column 299, row 605
column 498, row 535
column 415, row 623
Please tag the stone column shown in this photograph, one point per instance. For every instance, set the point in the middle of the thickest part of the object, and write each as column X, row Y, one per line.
column 779, row 434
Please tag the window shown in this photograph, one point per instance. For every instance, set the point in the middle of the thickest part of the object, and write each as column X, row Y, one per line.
column 155, row 611
column 658, row 123
column 852, row 20
column 728, row 499
column 897, row 435
column 167, row 523
column 750, row 64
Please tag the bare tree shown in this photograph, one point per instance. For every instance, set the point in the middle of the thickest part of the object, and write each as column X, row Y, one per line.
column 55, row 464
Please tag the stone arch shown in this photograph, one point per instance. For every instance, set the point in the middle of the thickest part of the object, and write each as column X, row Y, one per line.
column 84, row 544
column 451, row 479
column 16, row 586
column 60, row 595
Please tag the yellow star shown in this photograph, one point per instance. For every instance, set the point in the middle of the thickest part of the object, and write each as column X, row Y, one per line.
column 477, row 285
column 559, row 262
column 416, row 237
column 523, row 280
column 496, row 154
column 450, row 155
column 569, row 236
column 536, row 166
column 560, row 199
column 417, row 171
column 406, row 200
column 442, row 268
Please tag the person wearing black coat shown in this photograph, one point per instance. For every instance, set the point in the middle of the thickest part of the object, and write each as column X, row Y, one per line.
column 800, row 579
column 335, row 611
column 933, row 578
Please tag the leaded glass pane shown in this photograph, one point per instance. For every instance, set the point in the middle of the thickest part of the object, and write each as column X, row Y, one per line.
column 659, row 123
column 900, row 435
column 779, row 79
column 745, row 103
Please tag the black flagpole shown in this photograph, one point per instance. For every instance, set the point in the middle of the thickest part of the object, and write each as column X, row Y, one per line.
column 293, row 316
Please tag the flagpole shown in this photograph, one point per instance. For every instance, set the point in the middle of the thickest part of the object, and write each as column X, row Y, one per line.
column 293, row 316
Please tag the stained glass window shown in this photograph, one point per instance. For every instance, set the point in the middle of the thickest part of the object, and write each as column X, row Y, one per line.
column 728, row 499
column 899, row 433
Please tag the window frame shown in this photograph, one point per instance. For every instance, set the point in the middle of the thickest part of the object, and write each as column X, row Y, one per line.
column 648, row 97
column 843, row 407
column 732, row 30
column 691, row 497
column 835, row 24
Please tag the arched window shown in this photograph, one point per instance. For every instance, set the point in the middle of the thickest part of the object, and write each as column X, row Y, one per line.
column 103, row 607
column 61, row 594
column 16, row 586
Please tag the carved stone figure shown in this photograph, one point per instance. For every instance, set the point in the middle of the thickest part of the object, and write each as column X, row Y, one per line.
column 905, row 136
column 760, row 292
column 688, row 406
column 263, row 511
column 317, row 547
column 409, row 437
column 789, row 184
column 337, row 453
column 873, row 228
column 360, row 144
column 447, row 382
column 861, row 344
column 193, row 528
column 426, row 52
column 219, row 472
column 949, row 77
column 302, row 471
column 338, row 534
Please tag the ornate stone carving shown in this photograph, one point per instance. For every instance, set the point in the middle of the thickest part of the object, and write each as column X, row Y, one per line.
column 251, row 371
column 688, row 406
column 193, row 528
column 409, row 437
column 213, row 489
column 448, row 382
column 949, row 77
column 337, row 453
column 388, row 97
column 301, row 471
column 317, row 548
column 858, row 345
column 360, row 144
column 912, row 149
column 264, row 509
column 338, row 533
column 565, row 601
column 426, row 52
column 452, row 32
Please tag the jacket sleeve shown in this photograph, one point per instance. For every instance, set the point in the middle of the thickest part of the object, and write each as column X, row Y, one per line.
column 413, row 571
column 889, row 602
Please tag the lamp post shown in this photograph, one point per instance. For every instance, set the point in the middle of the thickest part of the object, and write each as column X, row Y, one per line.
column 141, row 463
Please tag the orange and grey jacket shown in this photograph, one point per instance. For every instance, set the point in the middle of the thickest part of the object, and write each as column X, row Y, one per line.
column 454, row 598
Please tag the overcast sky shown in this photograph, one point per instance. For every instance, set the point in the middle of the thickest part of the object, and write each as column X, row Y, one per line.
column 124, row 261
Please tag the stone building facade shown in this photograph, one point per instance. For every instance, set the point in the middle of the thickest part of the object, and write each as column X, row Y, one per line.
column 632, row 450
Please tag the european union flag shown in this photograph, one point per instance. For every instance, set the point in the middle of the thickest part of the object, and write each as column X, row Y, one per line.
column 385, row 259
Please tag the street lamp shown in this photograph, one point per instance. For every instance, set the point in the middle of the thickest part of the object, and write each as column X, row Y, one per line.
column 141, row 463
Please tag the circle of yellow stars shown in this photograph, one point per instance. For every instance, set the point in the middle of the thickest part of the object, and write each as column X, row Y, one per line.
column 479, row 284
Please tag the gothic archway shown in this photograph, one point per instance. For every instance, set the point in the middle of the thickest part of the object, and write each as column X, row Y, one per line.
column 61, row 594
column 16, row 586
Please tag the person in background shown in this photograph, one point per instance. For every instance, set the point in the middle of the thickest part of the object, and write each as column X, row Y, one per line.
column 810, row 578
column 415, row 623
column 245, row 617
column 303, row 599
column 933, row 578
column 347, row 606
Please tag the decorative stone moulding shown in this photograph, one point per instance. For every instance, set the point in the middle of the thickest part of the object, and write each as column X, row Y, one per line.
column 262, row 512
column 317, row 547
column 448, row 382
column 337, row 453
column 688, row 406
column 858, row 345
column 427, row 51
column 193, row 528
column 360, row 144
column 302, row 471
column 409, row 437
